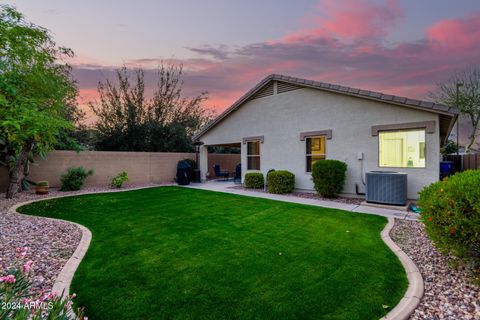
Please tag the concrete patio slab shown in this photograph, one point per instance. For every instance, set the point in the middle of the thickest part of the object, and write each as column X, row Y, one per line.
column 227, row 187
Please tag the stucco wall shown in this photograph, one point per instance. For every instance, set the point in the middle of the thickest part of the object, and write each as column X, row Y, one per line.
column 142, row 167
column 280, row 119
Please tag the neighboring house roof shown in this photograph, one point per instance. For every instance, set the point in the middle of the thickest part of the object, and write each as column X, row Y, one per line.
column 448, row 114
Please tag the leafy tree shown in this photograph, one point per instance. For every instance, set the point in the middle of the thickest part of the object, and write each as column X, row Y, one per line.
column 34, row 90
column 448, row 148
column 128, row 121
column 79, row 136
column 468, row 99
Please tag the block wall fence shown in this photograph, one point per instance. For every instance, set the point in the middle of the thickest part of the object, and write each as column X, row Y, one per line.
column 142, row 167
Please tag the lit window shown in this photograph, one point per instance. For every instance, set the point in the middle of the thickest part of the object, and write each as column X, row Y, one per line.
column 253, row 155
column 315, row 150
column 402, row 149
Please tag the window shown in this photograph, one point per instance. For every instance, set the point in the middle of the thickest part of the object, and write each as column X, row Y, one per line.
column 253, row 155
column 403, row 149
column 315, row 150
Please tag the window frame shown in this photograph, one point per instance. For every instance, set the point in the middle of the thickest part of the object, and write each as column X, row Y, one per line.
column 254, row 155
column 425, row 131
column 307, row 155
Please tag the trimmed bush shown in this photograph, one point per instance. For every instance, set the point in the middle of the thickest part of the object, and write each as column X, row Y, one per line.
column 329, row 177
column 281, row 181
column 74, row 178
column 450, row 210
column 254, row 180
column 119, row 179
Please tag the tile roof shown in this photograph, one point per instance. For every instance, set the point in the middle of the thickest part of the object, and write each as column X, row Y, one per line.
column 442, row 109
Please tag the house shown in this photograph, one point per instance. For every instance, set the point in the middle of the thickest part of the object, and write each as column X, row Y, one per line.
column 289, row 123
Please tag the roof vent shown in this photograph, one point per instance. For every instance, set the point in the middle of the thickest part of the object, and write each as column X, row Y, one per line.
column 285, row 87
column 265, row 92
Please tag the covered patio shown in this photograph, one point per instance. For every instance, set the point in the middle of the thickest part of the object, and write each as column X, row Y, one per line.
column 227, row 162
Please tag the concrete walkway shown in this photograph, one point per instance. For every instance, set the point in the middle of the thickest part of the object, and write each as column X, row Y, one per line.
column 227, row 187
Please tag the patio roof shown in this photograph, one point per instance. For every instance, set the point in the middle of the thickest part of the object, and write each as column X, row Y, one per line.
column 448, row 114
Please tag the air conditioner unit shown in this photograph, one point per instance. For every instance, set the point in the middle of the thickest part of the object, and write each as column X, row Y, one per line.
column 386, row 187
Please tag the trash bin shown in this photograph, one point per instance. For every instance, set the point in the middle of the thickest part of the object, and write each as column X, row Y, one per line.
column 446, row 169
column 183, row 169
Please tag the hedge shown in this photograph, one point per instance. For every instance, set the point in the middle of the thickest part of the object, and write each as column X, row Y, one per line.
column 450, row 210
column 254, row 180
column 280, row 181
column 329, row 177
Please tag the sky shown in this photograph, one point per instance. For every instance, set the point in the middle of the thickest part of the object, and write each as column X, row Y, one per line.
column 402, row 47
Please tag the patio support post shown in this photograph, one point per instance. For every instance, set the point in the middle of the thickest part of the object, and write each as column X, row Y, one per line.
column 203, row 162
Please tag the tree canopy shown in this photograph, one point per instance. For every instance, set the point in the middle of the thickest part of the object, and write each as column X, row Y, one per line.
column 468, row 99
column 129, row 121
column 35, row 89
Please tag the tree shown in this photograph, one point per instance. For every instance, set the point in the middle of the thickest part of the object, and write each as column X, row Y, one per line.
column 34, row 90
column 128, row 121
column 468, row 99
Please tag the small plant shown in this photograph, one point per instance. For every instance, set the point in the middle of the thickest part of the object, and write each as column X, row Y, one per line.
column 42, row 184
column 450, row 210
column 74, row 178
column 17, row 302
column 119, row 179
column 329, row 177
column 281, row 181
column 254, row 180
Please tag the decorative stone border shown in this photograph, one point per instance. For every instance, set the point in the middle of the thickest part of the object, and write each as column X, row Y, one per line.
column 65, row 277
column 411, row 299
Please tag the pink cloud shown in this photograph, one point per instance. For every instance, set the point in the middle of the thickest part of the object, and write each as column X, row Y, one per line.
column 344, row 44
column 456, row 35
column 350, row 20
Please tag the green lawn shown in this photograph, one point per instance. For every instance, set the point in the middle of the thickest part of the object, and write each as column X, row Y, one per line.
column 177, row 253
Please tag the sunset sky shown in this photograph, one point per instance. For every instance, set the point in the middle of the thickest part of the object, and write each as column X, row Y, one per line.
column 402, row 47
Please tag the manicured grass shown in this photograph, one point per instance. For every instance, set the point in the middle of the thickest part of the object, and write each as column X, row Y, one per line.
column 177, row 253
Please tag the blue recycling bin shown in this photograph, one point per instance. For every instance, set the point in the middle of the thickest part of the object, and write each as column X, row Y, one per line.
column 446, row 169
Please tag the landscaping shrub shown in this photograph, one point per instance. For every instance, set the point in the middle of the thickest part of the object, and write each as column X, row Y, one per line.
column 281, row 181
column 450, row 210
column 74, row 178
column 119, row 179
column 329, row 177
column 254, row 180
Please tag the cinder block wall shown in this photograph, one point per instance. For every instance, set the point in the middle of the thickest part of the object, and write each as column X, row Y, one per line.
column 142, row 167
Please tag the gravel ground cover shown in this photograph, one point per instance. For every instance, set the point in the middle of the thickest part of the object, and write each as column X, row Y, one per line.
column 50, row 243
column 449, row 293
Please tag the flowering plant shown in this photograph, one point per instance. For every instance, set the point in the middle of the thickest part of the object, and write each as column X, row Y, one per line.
column 17, row 301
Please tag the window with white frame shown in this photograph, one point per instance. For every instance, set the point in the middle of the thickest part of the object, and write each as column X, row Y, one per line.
column 402, row 148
